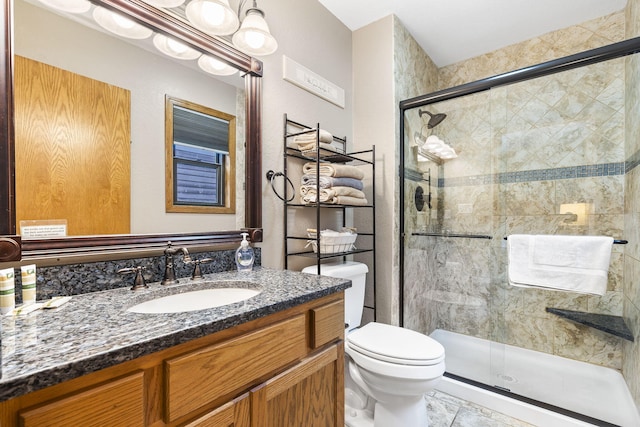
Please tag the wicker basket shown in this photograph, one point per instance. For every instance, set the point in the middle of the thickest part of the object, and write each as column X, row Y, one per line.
column 332, row 242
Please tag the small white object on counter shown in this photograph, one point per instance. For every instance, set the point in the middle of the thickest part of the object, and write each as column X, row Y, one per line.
column 26, row 309
column 28, row 274
column 55, row 302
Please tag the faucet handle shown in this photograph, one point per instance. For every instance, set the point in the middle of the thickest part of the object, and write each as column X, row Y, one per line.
column 197, row 272
column 138, row 281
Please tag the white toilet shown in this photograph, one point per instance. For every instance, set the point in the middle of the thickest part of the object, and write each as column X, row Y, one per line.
column 388, row 369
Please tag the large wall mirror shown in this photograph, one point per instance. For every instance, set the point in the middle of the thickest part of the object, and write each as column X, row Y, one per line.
column 72, row 47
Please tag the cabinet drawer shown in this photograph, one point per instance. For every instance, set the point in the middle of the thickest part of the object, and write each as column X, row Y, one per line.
column 117, row 403
column 202, row 376
column 232, row 414
column 327, row 323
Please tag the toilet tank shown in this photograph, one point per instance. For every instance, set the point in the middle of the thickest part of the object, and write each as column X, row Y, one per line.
column 354, row 296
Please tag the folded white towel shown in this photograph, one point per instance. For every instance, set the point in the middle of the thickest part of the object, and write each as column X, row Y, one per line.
column 306, row 138
column 568, row 263
column 309, row 193
column 334, row 169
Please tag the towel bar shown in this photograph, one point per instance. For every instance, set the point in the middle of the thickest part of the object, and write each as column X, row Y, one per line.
column 615, row 241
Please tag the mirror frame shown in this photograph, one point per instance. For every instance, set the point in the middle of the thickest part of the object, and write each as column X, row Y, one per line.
column 12, row 248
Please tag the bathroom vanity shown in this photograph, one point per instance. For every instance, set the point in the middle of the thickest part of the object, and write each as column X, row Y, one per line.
column 274, row 359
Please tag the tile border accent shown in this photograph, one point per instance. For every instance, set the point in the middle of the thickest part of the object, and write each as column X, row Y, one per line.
column 583, row 171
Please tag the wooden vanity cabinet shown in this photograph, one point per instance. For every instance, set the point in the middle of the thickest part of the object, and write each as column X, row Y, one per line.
column 282, row 370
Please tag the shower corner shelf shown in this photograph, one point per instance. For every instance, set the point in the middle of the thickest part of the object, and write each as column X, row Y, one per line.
column 614, row 325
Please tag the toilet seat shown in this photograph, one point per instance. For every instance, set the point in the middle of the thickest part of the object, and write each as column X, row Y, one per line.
column 395, row 345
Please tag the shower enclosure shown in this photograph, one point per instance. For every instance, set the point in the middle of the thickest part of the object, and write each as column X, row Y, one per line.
column 544, row 150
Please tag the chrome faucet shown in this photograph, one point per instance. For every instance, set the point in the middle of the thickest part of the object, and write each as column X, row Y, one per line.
column 169, row 267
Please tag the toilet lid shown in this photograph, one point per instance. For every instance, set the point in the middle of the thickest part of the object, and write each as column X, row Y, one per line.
column 395, row 345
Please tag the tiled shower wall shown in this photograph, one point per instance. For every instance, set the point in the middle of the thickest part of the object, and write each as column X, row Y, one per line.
column 631, row 304
column 559, row 142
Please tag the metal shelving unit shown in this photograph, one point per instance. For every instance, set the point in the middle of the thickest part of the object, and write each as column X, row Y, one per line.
column 364, row 158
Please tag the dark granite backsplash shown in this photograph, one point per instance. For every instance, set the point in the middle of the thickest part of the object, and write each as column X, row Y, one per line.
column 75, row 279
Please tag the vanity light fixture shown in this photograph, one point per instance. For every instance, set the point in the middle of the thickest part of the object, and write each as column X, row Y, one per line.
column 70, row 6
column 119, row 24
column 214, row 17
column 254, row 36
column 214, row 66
column 174, row 48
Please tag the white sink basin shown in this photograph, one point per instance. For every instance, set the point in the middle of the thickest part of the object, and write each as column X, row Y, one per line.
column 194, row 300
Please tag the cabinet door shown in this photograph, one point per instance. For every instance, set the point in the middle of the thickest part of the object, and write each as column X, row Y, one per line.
column 116, row 403
column 310, row 394
column 233, row 414
column 202, row 376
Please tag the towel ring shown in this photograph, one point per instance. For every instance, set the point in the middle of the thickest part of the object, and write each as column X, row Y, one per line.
column 271, row 175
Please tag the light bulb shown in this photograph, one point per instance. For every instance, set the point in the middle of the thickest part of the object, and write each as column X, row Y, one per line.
column 214, row 17
column 214, row 66
column 255, row 39
column 119, row 24
column 213, row 13
column 176, row 46
column 123, row 22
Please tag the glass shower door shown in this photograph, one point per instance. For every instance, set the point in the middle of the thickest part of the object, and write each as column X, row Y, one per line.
column 449, row 238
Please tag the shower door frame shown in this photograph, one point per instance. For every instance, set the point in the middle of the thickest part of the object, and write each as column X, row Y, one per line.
column 593, row 56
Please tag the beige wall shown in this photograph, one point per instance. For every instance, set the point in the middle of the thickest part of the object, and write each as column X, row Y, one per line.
column 310, row 35
column 374, row 124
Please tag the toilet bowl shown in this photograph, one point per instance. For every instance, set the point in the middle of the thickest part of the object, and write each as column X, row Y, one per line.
column 387, row 369
column 393, row 368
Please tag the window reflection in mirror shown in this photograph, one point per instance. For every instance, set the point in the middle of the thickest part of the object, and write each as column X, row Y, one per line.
column 200, row 158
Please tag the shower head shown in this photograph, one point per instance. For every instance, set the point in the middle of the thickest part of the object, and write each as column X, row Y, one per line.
column 434, row 119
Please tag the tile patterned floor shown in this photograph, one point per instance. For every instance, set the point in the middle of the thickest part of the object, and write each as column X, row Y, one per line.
column 447, row 411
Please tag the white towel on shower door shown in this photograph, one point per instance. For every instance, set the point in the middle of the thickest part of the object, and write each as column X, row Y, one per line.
column 568, row 263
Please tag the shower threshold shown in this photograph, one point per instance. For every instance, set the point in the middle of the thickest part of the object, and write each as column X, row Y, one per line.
column 539, row 388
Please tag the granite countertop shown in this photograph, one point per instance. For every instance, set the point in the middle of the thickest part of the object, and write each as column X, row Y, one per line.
column 94, row 331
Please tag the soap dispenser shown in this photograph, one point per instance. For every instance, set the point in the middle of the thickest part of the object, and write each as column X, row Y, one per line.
column 244, row 255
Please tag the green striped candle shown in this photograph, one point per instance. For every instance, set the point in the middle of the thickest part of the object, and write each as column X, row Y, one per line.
column 7, row 295
column 28, row 283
